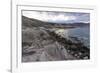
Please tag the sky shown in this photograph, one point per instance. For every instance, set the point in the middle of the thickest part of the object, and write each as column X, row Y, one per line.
column 58, row 17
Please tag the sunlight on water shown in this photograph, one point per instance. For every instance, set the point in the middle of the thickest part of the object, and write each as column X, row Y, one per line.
column 62, row 32
column 81, row 33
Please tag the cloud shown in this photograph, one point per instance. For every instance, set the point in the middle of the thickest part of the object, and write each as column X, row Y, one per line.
column 57, row 17
column 44, row 16
column 62, row 17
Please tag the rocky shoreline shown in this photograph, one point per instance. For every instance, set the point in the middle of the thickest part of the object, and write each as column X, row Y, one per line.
column 74, row 47
column 49, row 46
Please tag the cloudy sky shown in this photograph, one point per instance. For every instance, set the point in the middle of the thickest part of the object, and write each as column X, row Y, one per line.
column 58, row 17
